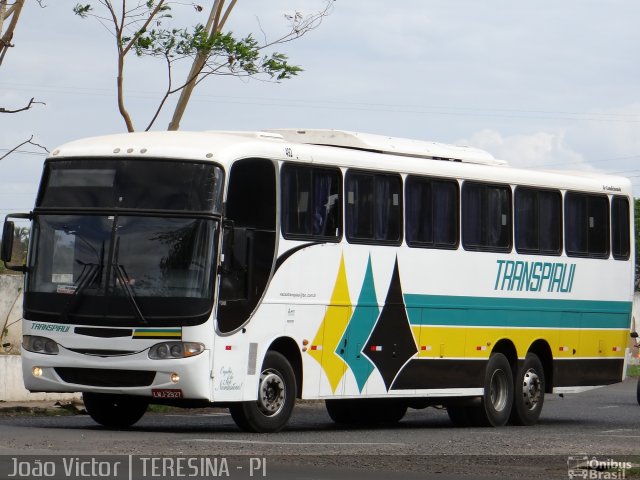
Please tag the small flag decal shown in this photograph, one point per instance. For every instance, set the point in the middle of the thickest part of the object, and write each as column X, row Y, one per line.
column 158, row 333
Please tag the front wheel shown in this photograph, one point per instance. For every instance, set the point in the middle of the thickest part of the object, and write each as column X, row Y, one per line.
column 528, row 396
column 495, row 407
column 114, row 411
column 276, row 398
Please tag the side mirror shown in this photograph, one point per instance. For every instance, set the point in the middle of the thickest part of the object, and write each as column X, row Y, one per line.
column 7, row 241
column 8, row 236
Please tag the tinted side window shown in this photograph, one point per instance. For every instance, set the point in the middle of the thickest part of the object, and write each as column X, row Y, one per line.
column 373, row 208
column 431, row 212
column 311, row 202
column 538, row 221
column 486, row 217
column 620, row 229
column 586, row 225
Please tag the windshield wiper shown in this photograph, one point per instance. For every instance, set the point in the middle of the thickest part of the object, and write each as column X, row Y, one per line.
column 90, row 271
column 124, row 279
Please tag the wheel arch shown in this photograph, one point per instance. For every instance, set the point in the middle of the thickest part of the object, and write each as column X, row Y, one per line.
column 288, row 348
column 542, row 349
column 508, row 349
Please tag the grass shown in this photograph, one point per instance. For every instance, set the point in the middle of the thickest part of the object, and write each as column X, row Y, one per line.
column 633, row 371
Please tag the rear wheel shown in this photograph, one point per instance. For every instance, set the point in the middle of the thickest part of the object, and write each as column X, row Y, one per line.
column 638, row 392
column 528, row 396
column 497, row 399
column 276, row 398
column 114, row 411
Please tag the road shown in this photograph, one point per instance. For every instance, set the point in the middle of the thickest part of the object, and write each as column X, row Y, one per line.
column 602, row 423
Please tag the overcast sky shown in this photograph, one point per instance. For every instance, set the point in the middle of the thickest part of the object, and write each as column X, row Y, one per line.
column 539, row 84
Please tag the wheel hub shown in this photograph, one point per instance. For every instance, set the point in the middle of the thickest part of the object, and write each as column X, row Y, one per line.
column 499, row 390
column 531, row 389
column 271, row 394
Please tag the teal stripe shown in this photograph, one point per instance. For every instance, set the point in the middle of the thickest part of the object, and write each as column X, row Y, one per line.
column 359, row 328
column 516, row 312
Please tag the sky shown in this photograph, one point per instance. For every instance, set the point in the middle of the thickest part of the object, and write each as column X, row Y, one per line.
column 542, row 84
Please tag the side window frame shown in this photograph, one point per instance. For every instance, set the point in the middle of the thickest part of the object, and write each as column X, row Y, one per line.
column 525, row 250
column 413, row 181
column 313, row 172
column 467, row 216
column 624, row 233
column 376, row 177
column 589, row 200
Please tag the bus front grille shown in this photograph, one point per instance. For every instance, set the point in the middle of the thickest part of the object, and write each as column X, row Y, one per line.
column 97, row 377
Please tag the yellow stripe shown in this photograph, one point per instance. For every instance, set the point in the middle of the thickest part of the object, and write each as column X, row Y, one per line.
column 466, row 341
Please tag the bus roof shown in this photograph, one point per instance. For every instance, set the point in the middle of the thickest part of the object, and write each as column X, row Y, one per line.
column 225, row 147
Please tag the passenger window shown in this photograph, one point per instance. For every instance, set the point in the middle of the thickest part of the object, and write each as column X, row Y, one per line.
column 538, row 221
column 431, row 212
column 486, row 217
column 586, row 226
column 311, row 202
column 620, row 229
column 373, row 208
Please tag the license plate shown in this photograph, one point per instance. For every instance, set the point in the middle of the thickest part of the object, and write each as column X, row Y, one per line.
column 166, row 393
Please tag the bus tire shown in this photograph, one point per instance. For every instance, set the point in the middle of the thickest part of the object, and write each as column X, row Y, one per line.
column 276, row 398
column 366, row 411
column 638, row 392
column 391, row 411
column 114, row 411
column 497, row 400
column 459, row 415
column 341, row 411
column 528, row 395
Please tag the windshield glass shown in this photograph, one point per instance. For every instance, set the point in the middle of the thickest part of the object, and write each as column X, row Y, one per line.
column 87, row 268
column 149, row 184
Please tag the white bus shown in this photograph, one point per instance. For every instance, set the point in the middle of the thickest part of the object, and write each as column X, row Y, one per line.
column 249, row 270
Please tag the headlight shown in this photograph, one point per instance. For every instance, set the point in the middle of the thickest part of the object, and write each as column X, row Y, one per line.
column 172, row 350
column 36, row 344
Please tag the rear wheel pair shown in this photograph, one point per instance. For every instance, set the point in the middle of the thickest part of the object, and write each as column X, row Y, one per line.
column 517, row 398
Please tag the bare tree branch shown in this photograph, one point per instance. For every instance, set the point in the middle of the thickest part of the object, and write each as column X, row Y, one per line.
column 31, row 103
column 29, row 142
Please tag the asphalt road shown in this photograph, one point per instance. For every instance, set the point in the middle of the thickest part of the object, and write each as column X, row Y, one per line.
column 603, row 424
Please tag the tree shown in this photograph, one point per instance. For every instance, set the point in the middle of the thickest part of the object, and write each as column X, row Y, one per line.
column 9, row 13
column 9, row 16
column 141, row 29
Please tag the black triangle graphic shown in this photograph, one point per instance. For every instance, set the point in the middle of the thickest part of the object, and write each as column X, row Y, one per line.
column 391, row 342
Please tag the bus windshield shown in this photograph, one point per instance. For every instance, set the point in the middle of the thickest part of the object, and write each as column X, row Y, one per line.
column 130, row 269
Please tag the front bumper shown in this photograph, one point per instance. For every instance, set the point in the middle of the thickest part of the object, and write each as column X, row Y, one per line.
column 127, row 374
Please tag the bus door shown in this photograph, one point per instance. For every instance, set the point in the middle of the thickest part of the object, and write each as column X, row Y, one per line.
column 248, row 246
